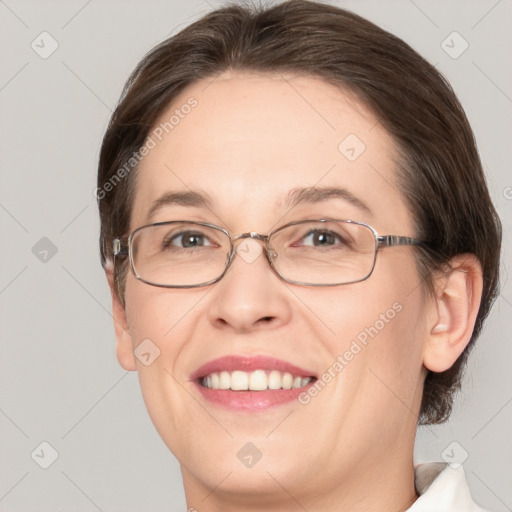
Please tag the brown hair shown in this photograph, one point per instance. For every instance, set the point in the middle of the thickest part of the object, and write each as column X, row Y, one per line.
column 439, row 170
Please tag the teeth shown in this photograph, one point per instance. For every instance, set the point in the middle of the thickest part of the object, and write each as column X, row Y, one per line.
column 239, row 381
column 287, row 381
column 258, row 380
column 274, row 380
column 224, row 380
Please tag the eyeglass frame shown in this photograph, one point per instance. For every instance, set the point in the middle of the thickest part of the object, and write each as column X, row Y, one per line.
column 122, row 246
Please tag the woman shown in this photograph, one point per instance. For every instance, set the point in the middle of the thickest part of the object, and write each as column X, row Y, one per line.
column 301, row 250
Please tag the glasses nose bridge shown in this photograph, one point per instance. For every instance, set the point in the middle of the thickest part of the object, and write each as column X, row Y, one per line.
column 253, row 235
column 268, row 250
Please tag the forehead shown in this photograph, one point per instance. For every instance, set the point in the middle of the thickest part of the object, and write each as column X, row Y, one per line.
column 247, row 140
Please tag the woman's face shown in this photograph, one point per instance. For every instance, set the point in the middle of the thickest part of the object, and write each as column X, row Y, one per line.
column 250, row 141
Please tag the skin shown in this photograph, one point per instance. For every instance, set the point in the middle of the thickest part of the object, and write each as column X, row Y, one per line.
column 249, row 141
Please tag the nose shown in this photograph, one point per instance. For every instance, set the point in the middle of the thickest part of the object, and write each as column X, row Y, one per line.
column 250, row 296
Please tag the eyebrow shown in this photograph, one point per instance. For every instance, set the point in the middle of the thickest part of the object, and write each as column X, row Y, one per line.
column 312, row 195
column 296, row 196
column 180, row 198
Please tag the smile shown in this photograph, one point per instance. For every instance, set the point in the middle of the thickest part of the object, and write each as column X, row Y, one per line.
column 251, row 382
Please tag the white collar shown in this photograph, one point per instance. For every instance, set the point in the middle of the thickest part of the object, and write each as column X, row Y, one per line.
column 442, row 489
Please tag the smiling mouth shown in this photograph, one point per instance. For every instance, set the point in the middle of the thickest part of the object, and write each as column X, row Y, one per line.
column 257, row 380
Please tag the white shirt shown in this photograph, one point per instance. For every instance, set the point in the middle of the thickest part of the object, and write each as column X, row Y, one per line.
column 442, row 489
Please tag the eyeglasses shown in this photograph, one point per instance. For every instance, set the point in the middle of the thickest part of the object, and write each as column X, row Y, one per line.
column 325, row 252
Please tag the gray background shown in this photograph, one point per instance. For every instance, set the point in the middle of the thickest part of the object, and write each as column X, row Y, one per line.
column 59, row 379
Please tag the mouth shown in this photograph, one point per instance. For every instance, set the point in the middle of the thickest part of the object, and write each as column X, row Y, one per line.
column 251, row 382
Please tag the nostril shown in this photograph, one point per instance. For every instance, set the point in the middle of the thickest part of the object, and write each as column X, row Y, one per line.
column 267, row 319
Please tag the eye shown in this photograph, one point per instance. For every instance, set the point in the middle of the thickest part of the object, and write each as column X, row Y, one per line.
column 321, row 238
column 187, row 240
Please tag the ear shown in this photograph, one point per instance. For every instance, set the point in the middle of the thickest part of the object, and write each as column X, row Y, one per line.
column 124, row 345
column 453, row 312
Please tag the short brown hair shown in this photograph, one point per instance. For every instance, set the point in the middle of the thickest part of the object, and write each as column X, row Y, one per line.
column 439, row 169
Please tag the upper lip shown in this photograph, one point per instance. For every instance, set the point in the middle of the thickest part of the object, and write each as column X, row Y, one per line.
column 248, row 364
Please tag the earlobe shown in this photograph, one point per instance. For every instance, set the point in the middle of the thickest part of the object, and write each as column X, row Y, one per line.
column 453, row 313
column 124, row 345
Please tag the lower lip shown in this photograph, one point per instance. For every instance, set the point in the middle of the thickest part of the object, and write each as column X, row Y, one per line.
column 251, row 400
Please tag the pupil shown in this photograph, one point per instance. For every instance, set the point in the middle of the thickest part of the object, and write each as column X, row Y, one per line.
column 323, row 239
column 191, row 241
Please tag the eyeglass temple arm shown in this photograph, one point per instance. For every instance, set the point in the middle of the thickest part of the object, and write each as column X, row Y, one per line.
column 120, row 247
column 393, row 240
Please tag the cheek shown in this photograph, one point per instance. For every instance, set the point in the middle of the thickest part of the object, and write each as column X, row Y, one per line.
column 162, row 320
column 387, row 378
column 159, row 313
column 373, row 332
column 388, row 304
column 389, row 382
